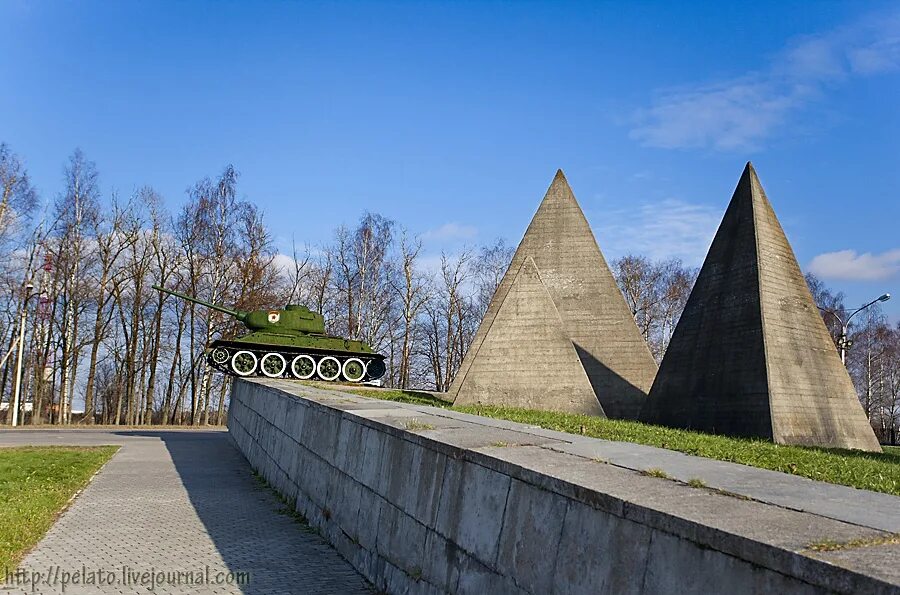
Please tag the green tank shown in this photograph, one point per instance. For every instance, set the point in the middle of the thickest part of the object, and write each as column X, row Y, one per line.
column 289, row 343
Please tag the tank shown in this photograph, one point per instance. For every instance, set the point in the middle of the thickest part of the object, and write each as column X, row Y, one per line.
column 289, row 343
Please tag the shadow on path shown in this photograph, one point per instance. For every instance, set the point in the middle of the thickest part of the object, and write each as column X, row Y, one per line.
column 248, row 525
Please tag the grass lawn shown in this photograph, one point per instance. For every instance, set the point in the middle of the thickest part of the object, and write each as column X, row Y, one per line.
column 868, row 471
column 35, row 484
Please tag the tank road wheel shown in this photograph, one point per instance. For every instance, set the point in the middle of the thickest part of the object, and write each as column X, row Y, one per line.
column 329, row 368
column 219, row 356
column 376, row 369
column 303, row 367
column 273, row 365
column 243, row 363
column 354, row 370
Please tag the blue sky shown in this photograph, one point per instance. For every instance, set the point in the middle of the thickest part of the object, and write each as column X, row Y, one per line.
column 452, row 117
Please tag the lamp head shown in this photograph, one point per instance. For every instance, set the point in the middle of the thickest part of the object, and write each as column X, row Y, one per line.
column 885, row 297
column 29, row 286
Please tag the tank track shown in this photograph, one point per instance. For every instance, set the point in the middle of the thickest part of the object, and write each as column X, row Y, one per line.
column 299, row 364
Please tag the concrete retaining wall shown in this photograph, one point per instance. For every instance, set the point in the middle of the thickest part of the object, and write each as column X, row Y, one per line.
column 421, row 500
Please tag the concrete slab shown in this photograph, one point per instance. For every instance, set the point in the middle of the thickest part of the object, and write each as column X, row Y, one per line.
column 471, row 436
column 471, row 509
column 531, row 516
column 860, row 507
column 879, row 560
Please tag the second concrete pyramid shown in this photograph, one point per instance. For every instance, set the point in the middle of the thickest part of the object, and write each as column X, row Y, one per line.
column 750, row 355
column 516, row 360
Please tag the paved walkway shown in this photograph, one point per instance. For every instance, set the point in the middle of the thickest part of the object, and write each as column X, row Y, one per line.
column 173, row 502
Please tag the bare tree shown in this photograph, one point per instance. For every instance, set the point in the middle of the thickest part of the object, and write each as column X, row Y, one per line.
column 639, row 279
column 828, row 302
column 656, row 292
column 489, row 268
column 166, row 261
column 449, row 325
column 207, row 228
column 412, row 287
column 17, row 196
column 299, row 274
column 886, row 415
column 111, row 239
column 76, row 208
column 675, row 289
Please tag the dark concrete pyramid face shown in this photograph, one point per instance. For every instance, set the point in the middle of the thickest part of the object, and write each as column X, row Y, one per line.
column 751, row 355
column 525, row 339
column 593, row 312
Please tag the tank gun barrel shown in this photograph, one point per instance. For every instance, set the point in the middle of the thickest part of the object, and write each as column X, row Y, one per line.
column 240, row 315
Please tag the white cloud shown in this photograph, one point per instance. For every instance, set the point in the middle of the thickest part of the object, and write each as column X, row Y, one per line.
column 284, row 263
column 451, row 231
column 731, row 115
column 672, row 228
column 847, row 265
column 742, row 112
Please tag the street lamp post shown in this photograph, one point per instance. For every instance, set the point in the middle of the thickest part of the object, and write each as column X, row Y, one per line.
column 844, row 343
column 22, row 315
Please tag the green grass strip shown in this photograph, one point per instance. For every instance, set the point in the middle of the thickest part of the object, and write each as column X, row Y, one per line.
column 867, row 471
column 35, row 485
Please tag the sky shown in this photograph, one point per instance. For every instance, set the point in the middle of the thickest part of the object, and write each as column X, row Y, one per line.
column 452, row 117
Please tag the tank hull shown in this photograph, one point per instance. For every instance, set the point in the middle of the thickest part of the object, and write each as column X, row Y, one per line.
column 303, row 357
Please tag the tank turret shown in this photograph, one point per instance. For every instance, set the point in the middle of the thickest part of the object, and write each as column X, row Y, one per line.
column 294, row 318
column 289, row 343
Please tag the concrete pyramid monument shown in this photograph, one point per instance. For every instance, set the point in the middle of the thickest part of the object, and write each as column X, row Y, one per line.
column 751, row 355
column 528, row 329
column 592, row 313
